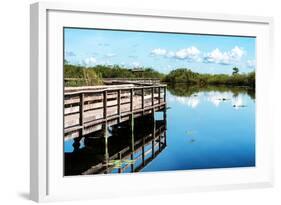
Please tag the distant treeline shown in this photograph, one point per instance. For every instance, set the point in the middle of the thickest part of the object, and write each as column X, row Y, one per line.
column 93, row 75
column 80, row 75
column 192, row 78
column 186, row 90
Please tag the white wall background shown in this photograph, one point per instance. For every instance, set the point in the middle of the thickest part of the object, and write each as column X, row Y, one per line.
column 14, row 101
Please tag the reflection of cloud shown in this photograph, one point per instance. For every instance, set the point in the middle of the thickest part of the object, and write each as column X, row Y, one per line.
column 216, row 98
column 237, row 102
column 192, row 101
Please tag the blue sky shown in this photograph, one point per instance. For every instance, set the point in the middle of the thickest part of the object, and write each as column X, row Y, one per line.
column 161, row 51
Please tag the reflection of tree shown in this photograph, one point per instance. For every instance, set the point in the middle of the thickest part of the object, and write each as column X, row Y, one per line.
column 183, row 89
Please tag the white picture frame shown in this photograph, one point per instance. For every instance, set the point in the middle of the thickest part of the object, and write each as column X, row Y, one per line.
column 47, row 182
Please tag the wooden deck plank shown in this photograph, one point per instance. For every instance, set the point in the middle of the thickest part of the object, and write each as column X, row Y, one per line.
column 113, row 105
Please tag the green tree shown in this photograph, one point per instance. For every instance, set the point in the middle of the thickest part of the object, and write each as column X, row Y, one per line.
column 235, row 70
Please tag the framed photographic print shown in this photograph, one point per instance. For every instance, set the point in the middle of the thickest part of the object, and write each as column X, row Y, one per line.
column 128, row 101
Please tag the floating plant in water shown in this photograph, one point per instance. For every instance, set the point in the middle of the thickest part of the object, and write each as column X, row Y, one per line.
column 191, row 135
column 120, row 163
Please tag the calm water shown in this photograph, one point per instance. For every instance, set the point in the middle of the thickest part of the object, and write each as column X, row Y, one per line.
column 211, row 127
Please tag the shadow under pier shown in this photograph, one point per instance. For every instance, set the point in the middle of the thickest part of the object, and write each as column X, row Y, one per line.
column 124, row 147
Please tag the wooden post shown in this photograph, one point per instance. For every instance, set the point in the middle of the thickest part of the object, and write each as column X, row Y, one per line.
column 165, row 89
column 159, row 142
column 165, row 138
column 165, row 109
column 81, row 111
column 132, row 164
column 120, row 158
column 131, row 99
column 152, row 96
column 142, row 151
column 76, row 144
column 132, row 132
column 105, row 105
column 153, row 136
column 119, row 105
column 142, row 99
column 132, row 140
column 106, row 155
column 159, row 95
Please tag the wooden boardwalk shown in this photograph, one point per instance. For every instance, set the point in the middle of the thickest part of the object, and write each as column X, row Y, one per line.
column 136, row 81
column 88, row 109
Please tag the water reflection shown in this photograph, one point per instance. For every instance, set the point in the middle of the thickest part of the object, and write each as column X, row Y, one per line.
column 192, row 96
column 207, row 127
column 185, row 90
column 123, row 151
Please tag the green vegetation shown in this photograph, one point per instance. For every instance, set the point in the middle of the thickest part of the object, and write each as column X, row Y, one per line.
column 116, row 71
column 186, row 90
column 187, row 76
column 79, row 76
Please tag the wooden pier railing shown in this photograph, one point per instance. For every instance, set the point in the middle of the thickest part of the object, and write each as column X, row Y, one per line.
column 137, row 81
column 87, row 109
column 110, row 81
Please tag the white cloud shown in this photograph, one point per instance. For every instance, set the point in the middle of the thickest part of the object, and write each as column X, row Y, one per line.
column 109, row 55
column 187, row 53
column 251, row 63
column 193, row 54
column 236, row 53
column 170, row 54
column 190, row 53
column 70, row 54
column 159, row 52
column 136, row 64
column 88, row 62
column 225, row 58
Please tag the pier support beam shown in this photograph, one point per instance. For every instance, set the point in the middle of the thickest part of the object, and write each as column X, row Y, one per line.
column 76, row 144
column 132, row 124
column 106, row 154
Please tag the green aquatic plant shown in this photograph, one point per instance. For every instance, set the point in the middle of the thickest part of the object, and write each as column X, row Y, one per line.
column 119, row 163
column 189, row 133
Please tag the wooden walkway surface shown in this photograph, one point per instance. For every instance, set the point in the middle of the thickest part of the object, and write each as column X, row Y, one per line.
column 88, row 109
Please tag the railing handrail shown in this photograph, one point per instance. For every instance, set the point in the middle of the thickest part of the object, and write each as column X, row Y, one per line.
column 133, row 79
column 114, row 89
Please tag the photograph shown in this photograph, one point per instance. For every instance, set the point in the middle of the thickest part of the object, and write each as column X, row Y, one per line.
column 149, row 101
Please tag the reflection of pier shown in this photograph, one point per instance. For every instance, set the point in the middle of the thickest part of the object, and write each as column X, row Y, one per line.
column 89, row 109
column 129, row 147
